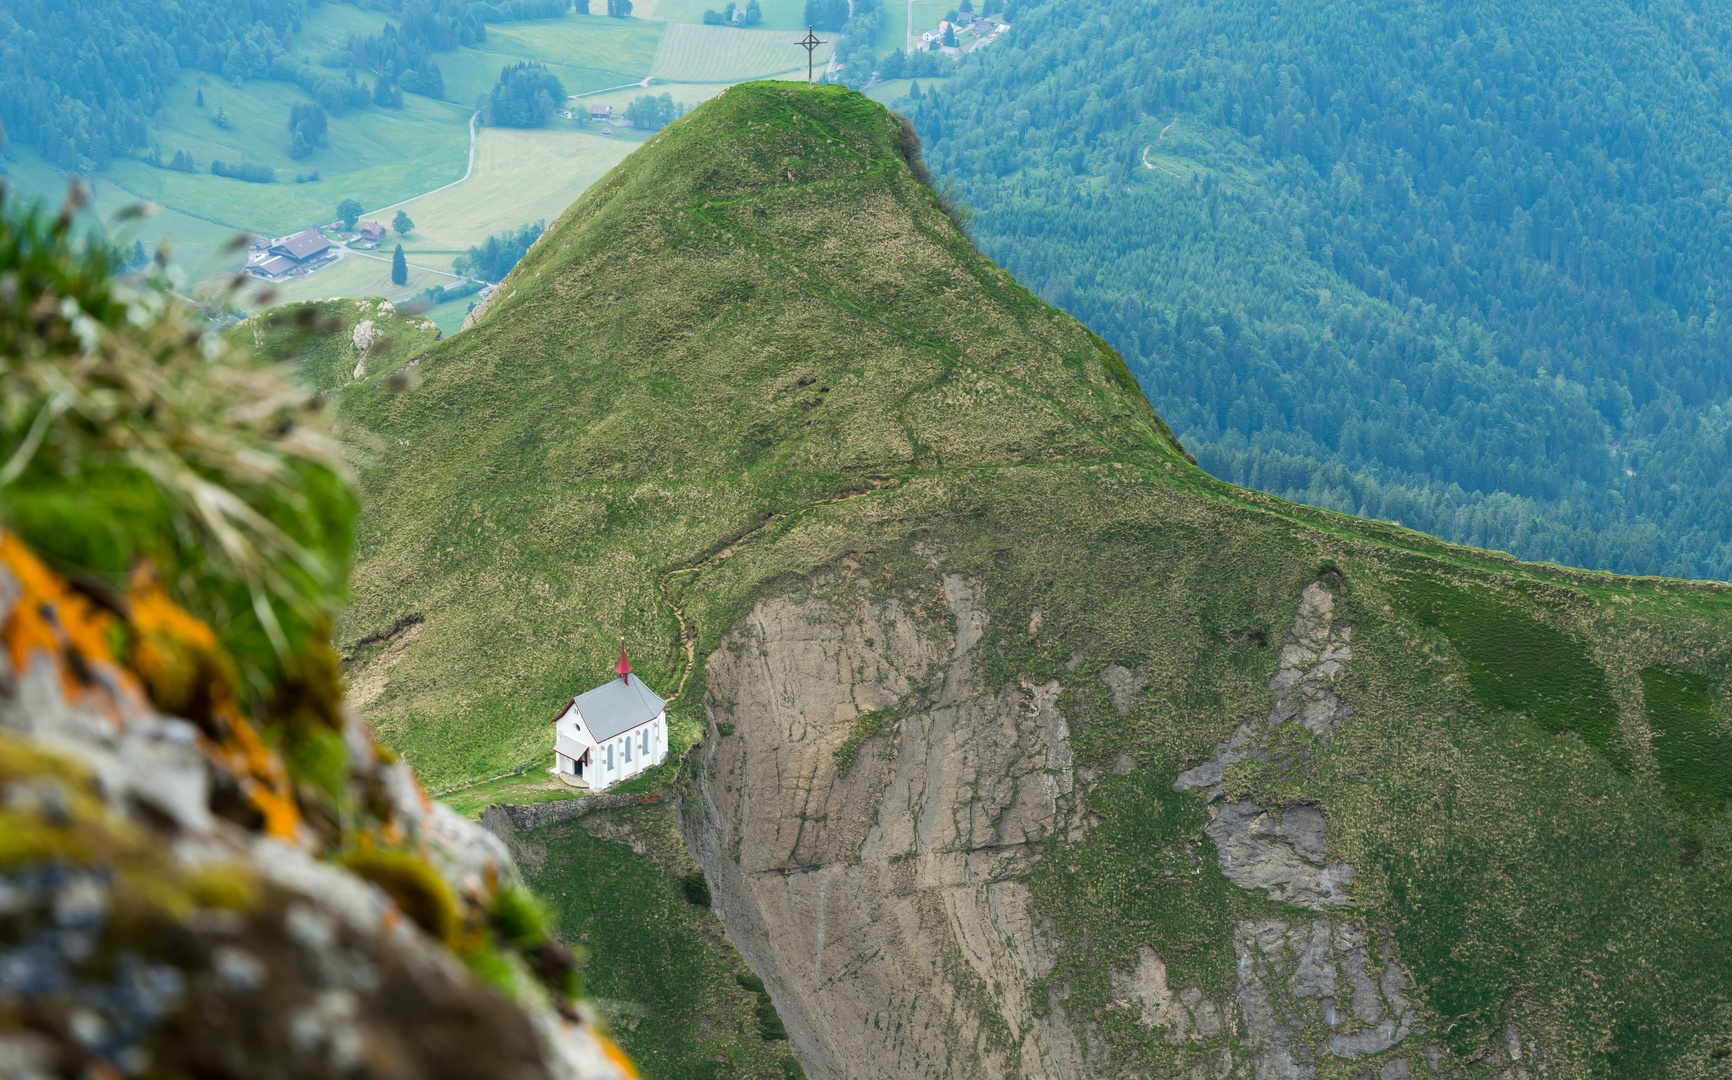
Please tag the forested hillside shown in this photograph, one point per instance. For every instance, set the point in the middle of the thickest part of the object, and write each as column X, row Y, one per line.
column 1453, row 265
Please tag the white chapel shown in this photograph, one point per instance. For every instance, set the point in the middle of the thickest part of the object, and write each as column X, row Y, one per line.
column 611, row 733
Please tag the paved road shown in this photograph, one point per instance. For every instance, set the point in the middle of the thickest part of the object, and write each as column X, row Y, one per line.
column 467, row 173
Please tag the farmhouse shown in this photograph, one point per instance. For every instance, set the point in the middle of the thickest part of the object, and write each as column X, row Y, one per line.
column 289, row 254
column 372, row 230
column 601, row 112
column 611, row 733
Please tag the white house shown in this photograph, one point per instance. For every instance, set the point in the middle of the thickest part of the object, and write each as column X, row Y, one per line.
column 611, row 733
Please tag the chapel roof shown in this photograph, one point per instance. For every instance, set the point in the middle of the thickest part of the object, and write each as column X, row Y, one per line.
column 618, row 706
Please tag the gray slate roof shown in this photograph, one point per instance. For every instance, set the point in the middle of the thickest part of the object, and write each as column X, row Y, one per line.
column 274, row 265
column 618, row 706
column 302, row 245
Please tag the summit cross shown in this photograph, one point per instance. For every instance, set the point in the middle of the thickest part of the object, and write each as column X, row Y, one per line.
column 810, row 41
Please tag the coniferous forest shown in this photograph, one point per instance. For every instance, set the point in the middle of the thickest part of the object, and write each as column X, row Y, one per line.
column 1458, row 266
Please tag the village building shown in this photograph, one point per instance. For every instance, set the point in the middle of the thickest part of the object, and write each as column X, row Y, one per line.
column 290, row 254
column 601, row 112
column 611, row 733
column 371, row 230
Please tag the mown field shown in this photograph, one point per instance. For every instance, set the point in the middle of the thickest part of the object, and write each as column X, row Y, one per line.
column 586, row 52
column 691, row 94
column 198, row 243
column 780, row 15
column 707, row 54
column 520, row 177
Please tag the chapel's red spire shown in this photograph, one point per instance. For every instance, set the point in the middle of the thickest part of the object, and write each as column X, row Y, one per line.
column 623, row 668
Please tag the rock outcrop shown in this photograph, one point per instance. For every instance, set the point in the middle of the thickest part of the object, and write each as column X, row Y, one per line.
column 881, row 901
column 882, row 905
column 166, row 910
column 1304, row 989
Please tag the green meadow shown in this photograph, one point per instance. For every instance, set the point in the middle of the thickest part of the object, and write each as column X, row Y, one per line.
column 782, row 15
column 689, row 53
column 376, row 155
column 520, row 177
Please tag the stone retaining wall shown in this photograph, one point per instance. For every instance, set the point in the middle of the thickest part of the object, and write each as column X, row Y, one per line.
column 504, row 819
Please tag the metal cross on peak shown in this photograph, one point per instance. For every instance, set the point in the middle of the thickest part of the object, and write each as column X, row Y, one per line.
column 810, row 41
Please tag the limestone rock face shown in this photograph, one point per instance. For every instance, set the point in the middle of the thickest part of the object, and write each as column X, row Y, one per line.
column 1286, row 858
column 882, row 905
column 881, row 902
column 145, row 931
column 1305, row 991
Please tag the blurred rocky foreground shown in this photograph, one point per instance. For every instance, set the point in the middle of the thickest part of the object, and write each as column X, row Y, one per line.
column 178, row 900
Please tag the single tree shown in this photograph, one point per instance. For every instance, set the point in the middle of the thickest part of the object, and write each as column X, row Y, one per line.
column 402, row 224
column 347, row 212
column 950, row 35
column 399, row 267
column 200, row 99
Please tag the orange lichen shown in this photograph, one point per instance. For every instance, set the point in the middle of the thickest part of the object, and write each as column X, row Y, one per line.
column 52, row 617
column 261, row 774
column 616, row 1055
column 177, row 655
column 174, row 660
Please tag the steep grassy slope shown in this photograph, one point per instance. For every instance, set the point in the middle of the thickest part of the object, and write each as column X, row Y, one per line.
column 961, row 614
column 678, row 996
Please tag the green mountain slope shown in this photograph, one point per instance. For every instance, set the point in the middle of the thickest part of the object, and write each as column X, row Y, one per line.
column 1028, row 747
column 1456, row 265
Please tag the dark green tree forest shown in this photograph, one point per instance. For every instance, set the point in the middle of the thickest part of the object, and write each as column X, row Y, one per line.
column 1453, row 265
column 652, row 113
column 524, row 96
column 494, row 257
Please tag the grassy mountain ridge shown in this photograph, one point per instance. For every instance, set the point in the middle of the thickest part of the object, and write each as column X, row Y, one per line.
column 758, row 364
column 731, row 323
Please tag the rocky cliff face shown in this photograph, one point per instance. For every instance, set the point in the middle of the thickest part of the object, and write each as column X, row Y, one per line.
column 867, row 805
column 882, row 903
